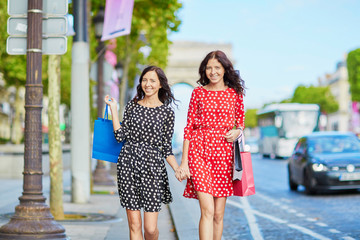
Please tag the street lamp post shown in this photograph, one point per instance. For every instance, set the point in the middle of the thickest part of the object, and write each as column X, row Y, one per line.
column 32, row 218
column 101, row 175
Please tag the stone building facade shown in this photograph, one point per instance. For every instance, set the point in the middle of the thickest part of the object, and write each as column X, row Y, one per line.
column 185, row 58
column 340, row 88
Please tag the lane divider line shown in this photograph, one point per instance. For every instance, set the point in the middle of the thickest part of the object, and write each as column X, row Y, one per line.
column 348, row 238
column 308, row 232
column 321, row 224
column 251, row 219
column 334, row 231
column 278, row 220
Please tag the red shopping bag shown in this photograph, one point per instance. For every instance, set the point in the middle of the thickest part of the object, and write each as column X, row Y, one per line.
column 245, row 186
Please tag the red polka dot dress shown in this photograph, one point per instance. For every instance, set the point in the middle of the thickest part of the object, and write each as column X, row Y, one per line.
column 211, row 115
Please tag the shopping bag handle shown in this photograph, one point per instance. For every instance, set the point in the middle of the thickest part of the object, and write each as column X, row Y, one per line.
column 106, row 115
column 241, row 139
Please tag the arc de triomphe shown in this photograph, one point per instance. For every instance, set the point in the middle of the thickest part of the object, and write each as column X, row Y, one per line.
column 185, row 58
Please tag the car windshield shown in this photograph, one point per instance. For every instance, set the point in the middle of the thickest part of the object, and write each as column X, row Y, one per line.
column 334, row 144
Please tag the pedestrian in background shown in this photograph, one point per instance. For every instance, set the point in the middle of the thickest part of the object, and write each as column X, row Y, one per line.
column 147, row 129
column 215, row 119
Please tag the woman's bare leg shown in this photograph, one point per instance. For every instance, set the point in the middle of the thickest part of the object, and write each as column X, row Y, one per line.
column 134, row 222
column 219, row 217
column 206, row 202
column 150, row 225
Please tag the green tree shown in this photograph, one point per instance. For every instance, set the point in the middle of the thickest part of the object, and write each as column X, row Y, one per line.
column 318, row 95
column 353, row 66
column 13, row 68
column 152, row 21
column 251, row 118
column 65, row 75
column 14, row 72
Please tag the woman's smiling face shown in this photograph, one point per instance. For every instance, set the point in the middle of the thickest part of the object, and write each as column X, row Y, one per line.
column 214, row 71
column 150, row 84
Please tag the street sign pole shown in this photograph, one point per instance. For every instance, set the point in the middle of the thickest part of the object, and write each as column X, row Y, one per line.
column 54, row 27
column 32, row 218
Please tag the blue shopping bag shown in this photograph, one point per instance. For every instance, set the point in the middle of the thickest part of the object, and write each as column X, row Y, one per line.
column 105, row 147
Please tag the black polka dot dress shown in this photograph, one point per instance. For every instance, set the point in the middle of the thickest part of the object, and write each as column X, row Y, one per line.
column 142, row 178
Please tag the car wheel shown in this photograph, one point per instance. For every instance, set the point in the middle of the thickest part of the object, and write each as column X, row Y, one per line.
column 308, row 183
column 293, row 186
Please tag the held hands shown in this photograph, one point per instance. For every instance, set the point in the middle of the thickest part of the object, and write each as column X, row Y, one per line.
column 182, row 172
column 231, row 135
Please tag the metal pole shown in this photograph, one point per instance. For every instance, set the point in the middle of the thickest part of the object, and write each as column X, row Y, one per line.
column 80, row 107
column 101, row 175
column 32, row 218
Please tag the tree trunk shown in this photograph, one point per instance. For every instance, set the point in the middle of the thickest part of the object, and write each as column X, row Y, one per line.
column 55, row 148
column 124, row 81
column 16, row 134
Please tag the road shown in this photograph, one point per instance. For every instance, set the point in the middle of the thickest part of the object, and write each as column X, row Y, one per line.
column 275, row 212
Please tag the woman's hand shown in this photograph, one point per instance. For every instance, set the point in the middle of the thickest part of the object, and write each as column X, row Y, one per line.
column 183, row 171
column 232, row 135
column 178, row 174
column 111, row 102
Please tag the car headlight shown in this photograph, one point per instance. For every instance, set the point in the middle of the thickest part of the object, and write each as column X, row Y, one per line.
column 319, row 167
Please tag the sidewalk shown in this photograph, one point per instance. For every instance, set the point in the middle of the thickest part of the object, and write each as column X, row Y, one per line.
column 112, row 229
column 108, row 218
column 105, row 204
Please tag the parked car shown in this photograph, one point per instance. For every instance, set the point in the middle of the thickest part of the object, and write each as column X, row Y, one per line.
column 325, row 161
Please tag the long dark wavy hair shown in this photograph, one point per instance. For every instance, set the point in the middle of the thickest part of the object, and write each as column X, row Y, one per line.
column 232, row 77
column 165, row 94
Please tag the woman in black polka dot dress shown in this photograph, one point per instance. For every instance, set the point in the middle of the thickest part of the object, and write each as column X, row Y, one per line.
column 147, row 129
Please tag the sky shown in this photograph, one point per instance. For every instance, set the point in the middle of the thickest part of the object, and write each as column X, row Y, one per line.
column 277, row 44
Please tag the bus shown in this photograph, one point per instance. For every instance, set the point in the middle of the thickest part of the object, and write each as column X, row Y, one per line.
column 282, row 124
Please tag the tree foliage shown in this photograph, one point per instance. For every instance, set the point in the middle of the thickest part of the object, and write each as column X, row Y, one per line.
column 65, row 75
column 318, row 95
column 13, row 67
column 353, row 66
column 152, row 21
column 251, row 118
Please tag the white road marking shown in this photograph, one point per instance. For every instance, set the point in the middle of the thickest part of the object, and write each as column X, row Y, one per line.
column 308, row 232
column 254, row 228
column 282, row 205
column 292, row 211
column 334, row 231
column 274, row 219
column 348, row 238
column 321, row 224
column 311, row 219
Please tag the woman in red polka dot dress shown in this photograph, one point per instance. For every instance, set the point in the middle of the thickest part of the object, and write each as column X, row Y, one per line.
column 215, row 120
